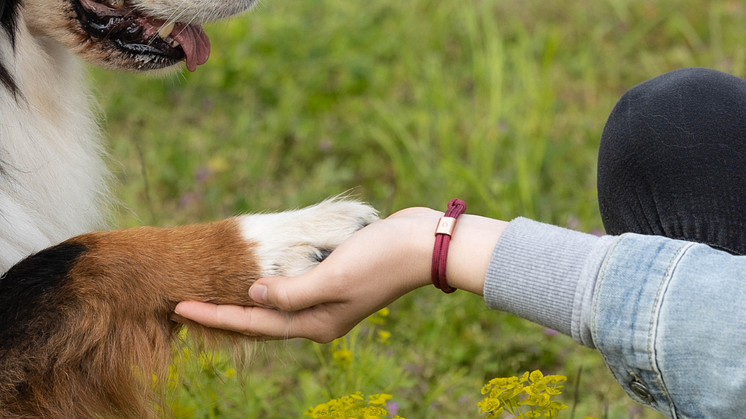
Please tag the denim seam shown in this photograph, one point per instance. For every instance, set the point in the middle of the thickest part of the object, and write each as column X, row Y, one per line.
column 599, row 281
column 601, row 275
column 654, row 321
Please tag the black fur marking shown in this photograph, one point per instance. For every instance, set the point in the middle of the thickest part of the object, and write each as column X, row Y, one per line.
column 30, row 292
column 9, row 23
column 321, row 254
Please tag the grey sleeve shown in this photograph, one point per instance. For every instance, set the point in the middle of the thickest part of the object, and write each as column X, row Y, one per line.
column 547, row 274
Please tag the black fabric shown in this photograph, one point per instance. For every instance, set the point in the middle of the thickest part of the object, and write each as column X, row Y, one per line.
column 672, row 160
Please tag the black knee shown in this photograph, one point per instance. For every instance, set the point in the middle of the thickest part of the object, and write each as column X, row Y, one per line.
column 672, row 159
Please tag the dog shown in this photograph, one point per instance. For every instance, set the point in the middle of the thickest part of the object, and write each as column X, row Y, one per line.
column 85, row 329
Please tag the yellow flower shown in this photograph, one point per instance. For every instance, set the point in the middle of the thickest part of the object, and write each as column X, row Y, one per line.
column 532, row 390
column 489, row 405
column 379, row 317
column 357, row 396
column 379, row 399
column 352, row 407
column 536, row 376
column 383, row 337
column 486, row 389
column 343, row 356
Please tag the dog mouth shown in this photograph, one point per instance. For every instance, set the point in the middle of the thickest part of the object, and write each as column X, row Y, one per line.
column 152, row 42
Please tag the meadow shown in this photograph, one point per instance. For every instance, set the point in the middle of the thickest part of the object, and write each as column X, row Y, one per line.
column 403, row 103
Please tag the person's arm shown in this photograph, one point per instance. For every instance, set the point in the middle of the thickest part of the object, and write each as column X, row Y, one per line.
column 668, row 317
column 371, row 269
column 547, row 274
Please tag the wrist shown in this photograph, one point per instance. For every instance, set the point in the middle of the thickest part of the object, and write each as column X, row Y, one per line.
column 417, row 227
column 470, row 251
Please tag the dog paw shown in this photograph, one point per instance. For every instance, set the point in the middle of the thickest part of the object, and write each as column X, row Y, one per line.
column 292, row 242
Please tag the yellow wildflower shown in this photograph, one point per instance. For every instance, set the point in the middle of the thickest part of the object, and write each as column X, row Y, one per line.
column 379, row 399
column 383, row 337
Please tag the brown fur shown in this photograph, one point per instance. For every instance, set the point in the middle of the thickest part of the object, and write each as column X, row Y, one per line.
column 109, row 332
column 58, row 21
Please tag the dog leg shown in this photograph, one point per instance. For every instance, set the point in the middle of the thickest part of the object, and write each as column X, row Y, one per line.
column 84, row 325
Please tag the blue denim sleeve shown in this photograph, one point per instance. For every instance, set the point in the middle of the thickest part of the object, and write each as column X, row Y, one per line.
column 669, row 318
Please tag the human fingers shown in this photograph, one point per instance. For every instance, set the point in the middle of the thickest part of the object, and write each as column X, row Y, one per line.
column 257, row 322
column 318, row 305
column 318, row 324
column 291, row 294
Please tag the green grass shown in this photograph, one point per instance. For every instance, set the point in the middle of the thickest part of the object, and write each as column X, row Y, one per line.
column 498, row 102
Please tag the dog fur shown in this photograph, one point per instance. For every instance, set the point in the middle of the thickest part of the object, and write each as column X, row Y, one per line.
column 85, row 317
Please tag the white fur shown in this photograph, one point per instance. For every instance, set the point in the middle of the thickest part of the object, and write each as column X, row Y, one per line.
column 193, row 11
column 54, row 184
column 55, row 181
column 289, row 243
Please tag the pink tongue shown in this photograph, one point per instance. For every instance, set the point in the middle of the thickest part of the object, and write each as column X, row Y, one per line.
column 194, row 42
column 192, row 38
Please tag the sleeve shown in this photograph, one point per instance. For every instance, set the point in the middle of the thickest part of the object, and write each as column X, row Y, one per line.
column 668, row 317
column 546, row 274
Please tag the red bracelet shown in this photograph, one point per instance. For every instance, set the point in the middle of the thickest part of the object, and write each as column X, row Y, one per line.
column 446, row 226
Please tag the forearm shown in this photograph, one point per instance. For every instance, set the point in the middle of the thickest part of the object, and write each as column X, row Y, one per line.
column 536, row 271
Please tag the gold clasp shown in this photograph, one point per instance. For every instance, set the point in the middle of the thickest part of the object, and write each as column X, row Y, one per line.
column 446, row 225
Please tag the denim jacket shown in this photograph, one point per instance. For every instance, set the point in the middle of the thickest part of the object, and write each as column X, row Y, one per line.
column 667, row 316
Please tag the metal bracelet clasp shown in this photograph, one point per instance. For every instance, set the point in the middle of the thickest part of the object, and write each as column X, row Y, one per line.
column 446, row 225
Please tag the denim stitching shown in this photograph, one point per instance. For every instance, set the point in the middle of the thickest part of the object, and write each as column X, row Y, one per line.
column 599, row 281
column 652, row 331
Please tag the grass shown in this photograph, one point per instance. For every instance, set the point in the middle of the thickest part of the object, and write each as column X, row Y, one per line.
column 498, row 102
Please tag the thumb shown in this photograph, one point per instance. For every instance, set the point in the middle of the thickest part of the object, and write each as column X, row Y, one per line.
column 287, row 293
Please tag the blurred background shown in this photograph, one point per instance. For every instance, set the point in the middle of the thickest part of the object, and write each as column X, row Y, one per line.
column 404, row 103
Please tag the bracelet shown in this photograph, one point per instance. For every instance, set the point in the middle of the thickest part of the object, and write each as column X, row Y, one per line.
column 443, row 233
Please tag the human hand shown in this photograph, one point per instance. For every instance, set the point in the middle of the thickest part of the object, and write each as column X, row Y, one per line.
column 371, row 269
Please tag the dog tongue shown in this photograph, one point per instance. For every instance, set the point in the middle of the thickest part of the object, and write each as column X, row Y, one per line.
column 192, row 38
column 195, row 43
